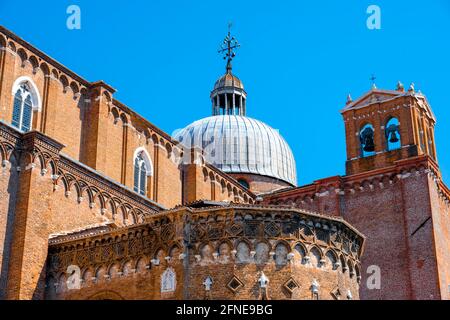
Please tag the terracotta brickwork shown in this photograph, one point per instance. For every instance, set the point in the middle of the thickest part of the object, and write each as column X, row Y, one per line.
column 231, row 245
column 395, row 197
column 399, row 205
column 377, row 107
column 94, row 128
column 68, row 198
column 47, row 193
column 261, row 184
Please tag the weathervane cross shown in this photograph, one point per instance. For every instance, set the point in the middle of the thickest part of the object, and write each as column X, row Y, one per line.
column 229, row 45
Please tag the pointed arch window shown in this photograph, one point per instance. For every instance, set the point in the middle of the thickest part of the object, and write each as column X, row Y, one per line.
column 392, row 134
column 22, row 108
column 366, row 138
column 140, row 174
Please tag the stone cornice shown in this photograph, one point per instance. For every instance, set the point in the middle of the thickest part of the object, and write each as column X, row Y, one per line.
column 342, row 182
column 49, row 152
column 43, row 56
column 189, row 230
column 89, row 175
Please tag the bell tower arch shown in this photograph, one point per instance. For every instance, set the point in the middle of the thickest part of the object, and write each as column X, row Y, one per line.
column 384, row 126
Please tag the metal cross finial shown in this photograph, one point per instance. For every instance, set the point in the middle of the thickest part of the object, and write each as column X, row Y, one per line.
column 228, row 46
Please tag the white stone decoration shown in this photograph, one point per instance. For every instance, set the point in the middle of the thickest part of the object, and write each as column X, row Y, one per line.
column 315, row 287
column 168, row 280
column 208, row 283
column 349, row 295
column 263, row 280
column 155, row 262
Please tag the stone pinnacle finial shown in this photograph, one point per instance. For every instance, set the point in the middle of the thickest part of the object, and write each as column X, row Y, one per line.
column 411, row 87
column 400, row 87
column 349, row 99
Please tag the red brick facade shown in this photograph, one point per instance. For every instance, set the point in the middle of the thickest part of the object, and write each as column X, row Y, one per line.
column 395, row 197
column 75, row 169
column 68, row 197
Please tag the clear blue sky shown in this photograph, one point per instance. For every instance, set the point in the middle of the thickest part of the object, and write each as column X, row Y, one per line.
column 298, row 60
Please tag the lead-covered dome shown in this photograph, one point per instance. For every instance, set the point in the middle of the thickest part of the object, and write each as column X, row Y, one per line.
column 239, row 144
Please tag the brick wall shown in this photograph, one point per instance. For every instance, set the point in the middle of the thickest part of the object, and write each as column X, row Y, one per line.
column 398, row 209
column 287, row 246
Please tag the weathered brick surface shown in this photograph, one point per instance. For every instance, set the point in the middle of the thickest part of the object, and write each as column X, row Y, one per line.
column 217, row 243
column 404, row 220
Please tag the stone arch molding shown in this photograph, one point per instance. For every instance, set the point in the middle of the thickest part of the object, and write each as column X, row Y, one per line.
column 35, row 96
column 147, row 160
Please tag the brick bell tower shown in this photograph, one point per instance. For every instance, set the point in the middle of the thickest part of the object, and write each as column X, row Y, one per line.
column 384, row 126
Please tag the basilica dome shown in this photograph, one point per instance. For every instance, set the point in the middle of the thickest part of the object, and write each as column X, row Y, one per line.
column 239, row 144
column 248, row 149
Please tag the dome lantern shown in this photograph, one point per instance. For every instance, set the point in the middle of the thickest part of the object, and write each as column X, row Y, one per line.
column 228, row 96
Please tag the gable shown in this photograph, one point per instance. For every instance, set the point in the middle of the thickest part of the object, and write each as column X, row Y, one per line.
column 373, row 96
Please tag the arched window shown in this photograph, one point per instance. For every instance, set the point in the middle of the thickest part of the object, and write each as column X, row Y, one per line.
column 392, row 134
column 142, row 169
column 22, row 108
column 168, row 280
column 366, row 138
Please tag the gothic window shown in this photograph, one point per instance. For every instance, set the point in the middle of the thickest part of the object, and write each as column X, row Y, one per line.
column 142, row 169
column 243, row 253
column 315, row 257
column 262, row 253
column 366, row 138
column 22, row 108
column 331, row 260
column 281, row 252
column 168, row 280
column 392, row 134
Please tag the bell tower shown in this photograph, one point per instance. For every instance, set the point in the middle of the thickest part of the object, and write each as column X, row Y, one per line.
column 384, row 126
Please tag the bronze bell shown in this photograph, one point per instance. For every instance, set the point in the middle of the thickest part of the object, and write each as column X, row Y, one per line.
column 369, row 145
column 393, row 138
